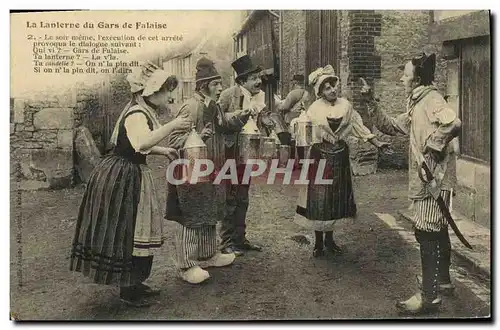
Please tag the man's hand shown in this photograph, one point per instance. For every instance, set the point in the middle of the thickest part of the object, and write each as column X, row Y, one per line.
column 433, row 157
column 385, row 147
column 207, row 132
column 366, row 91
column 245, row 114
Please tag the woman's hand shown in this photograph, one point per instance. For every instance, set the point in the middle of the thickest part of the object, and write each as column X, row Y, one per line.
column 171, row 154
column 328, row 138
column 182, row 123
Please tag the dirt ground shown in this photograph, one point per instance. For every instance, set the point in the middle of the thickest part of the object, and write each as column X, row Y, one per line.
column 282, row 282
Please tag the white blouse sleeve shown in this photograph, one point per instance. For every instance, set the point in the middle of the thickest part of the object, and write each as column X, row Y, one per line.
column 359, row 130
column 136, row 126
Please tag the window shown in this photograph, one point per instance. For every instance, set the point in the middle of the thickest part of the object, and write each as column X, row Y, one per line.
column 241, row 45
column 475, row 99
column 186, row 66
column 187, row 89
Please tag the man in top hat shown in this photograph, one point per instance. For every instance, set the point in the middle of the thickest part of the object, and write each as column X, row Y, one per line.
column 245, row 95
column 431, row 125
column 197, row 207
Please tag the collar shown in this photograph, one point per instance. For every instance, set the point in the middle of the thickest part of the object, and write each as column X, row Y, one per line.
column 420, row 91
column 417, row 95
column 246, row 93
column 205, row 99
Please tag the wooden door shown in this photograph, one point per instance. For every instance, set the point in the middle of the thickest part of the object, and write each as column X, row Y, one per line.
column 321, row 39
column 475, row 109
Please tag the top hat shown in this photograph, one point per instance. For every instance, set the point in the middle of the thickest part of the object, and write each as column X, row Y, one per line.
column 205, row 70
column 298, row 77
column 244, row 66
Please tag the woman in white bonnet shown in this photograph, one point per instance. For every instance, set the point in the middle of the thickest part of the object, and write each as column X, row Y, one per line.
column 320, row 206
column 119, row 222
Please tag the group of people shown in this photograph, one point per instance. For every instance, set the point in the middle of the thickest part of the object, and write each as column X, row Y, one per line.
column 120, row 223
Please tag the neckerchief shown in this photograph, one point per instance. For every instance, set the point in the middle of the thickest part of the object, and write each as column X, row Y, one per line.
column 416, row 95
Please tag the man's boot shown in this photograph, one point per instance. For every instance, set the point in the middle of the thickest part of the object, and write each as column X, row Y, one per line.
column 427, row 300
column 444, row 284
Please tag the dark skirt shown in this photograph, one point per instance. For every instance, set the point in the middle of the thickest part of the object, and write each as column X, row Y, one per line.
column 104, row 236
column 321, row 205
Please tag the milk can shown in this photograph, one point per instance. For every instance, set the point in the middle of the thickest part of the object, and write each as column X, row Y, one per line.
column 249, row 142
column 194, row 148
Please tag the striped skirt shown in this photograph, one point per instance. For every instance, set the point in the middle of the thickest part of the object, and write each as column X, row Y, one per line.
column 320, row 206
column 118, row 218
column 428, row 216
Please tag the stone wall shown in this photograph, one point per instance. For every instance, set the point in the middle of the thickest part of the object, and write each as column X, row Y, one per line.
column 294, row 48
column 358, row 29
column 403, row 35
column 89, row 112
column 42, row 140
column 42, row 133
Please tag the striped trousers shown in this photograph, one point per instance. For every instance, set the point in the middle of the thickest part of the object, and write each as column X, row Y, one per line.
column 194, row 244
column 428, row 215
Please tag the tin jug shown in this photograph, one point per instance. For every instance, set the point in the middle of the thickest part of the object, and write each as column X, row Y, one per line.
column 268, row 149
column 249, row 142
column 194, row 148
column 304, row 133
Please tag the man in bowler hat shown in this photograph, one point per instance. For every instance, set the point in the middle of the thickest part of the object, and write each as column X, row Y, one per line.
column 246, row 94
column 296, row 101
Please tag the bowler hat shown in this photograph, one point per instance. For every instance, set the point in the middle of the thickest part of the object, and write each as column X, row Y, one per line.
column 205, row 70
column 244, row 66
column 423, row 62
